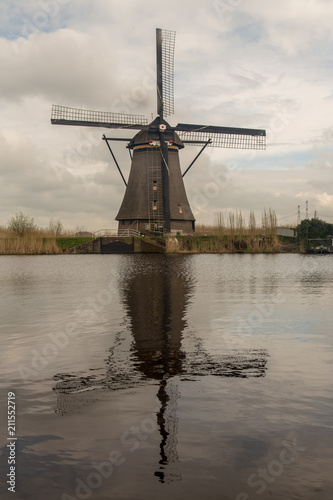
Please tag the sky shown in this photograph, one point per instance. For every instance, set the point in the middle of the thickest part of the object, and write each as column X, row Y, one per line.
column 240, row 63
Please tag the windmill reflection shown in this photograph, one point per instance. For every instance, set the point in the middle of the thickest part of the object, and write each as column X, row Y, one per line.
column 155, row 293
column 156, row 298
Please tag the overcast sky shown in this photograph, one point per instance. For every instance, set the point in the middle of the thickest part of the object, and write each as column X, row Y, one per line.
column 242, row 63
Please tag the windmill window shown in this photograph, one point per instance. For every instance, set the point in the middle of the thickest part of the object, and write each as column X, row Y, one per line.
column 180, row 209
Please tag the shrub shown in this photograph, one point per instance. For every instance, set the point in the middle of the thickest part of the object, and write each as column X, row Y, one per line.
column 21, row 224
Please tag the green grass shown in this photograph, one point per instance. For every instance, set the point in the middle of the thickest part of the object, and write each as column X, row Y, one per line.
column 66, row 243
column 287, row 239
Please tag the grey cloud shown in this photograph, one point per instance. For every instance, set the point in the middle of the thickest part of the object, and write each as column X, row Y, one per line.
column 95, row 54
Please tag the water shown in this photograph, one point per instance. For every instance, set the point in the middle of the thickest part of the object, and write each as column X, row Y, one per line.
column 181, row 376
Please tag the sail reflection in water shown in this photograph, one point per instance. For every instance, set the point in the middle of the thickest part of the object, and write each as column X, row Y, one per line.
column 155, row 299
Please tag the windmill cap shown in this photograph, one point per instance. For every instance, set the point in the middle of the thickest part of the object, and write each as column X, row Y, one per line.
column 152, row 131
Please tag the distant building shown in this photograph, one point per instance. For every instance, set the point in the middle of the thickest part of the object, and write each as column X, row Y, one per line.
column 286, row 231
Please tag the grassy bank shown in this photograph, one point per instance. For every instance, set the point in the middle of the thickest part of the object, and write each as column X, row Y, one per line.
column 219, row 239
column 65, row 243
column 36, row 244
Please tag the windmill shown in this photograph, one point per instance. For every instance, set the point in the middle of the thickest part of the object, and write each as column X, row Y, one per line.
column 155, row 198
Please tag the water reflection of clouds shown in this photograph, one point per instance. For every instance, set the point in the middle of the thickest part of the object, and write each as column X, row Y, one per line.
column 156, row 293
column 155, row 296
column 36, row 461
column 212, row 430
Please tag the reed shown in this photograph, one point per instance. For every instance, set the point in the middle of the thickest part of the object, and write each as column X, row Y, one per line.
column 32, row 243
column 204, row 229
column 224, row 244
column 231, row 234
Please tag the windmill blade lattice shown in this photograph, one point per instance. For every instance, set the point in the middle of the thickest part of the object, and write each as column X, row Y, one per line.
column 165, row 47
column 222, row 137
column 62, row 115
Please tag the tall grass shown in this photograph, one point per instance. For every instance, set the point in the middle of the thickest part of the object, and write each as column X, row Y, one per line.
column 226, row 244
column 231, row 234
column 33, row 243
column 235, row 225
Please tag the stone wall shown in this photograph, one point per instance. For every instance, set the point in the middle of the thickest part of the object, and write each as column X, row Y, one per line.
column 121, row 244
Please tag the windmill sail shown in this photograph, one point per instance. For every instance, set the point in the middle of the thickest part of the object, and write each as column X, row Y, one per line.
column 155, row 198
column 222, row 137
column 62, row 115
column 165, row 49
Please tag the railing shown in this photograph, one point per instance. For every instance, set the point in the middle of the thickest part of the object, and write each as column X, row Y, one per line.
column 128, row 232
column 116, row 232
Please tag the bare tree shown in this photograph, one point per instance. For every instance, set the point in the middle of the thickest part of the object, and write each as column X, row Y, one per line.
column 252, row 224
column 55, row 227
column 272, row 222
column 232, row 223
column 239, row 223
column 220, row 223
column 265, row 223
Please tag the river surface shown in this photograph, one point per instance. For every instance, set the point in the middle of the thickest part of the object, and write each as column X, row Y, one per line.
column 141, row 377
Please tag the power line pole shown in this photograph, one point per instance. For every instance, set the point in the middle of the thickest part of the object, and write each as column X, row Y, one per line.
column 299, row 215
column 307, row 209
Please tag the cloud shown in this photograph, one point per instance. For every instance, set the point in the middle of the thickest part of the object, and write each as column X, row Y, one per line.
column 259, row 65
column 59, row 65
column 293, row 25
